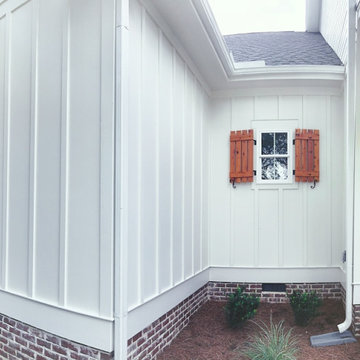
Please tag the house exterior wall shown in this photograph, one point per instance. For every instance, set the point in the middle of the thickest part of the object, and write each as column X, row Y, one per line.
column 281, row 228
column 167, row 226
column 333, row 26
column 56, row 166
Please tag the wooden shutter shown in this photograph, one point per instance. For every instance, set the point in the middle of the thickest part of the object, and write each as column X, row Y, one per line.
column 307, row 155
column 241, row 156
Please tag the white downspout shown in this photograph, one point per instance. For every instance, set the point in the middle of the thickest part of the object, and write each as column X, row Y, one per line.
column 349, row 163
column 120, row 211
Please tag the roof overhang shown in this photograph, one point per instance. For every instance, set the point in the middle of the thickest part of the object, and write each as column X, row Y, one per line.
column 191, row 26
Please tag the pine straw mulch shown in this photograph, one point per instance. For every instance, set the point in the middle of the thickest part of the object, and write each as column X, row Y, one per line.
column 207, row 336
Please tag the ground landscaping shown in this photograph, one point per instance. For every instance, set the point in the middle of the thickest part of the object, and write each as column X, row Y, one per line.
column 208, row 336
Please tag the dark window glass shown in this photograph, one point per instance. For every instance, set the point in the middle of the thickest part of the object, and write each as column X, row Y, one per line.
column 267, row 143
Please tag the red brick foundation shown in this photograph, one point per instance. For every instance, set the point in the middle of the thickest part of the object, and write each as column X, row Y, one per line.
column 24, row 342
column 148, row 343
column 219, row 291
column 356, row 320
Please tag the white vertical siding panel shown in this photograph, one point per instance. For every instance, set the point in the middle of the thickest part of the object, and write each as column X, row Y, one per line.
column 188, row 185
column 219, row 182
column 19, row 146
column 134, row 156
column 266, row 108
column 205, row 233
column 83, row 265
column 337, row 179
column 198, row 180
column 178, row 168
column 148, row 140
column 64, row 155
column 268, row 227
column 318, row 222
column 242, row 198
column 107, row 159
column 333, row 27
column 290, row 107
column 293, row 231
column 165, row 119
column 3, row 117
column 48, row 150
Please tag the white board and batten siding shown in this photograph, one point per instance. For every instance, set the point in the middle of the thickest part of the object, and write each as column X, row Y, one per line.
column 167, row 228
column 56, row 166
column 277, row 227
column 334, row 26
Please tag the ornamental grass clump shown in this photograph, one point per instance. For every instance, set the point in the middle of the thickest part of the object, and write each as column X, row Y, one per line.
column 305, row 306
column 272, row 343
column 240, row 307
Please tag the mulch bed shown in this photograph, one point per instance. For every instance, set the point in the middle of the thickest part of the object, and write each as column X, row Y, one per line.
column 207, row 337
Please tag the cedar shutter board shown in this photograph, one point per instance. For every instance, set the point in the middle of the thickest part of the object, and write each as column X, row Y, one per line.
column 307, row 155
column 241, row 156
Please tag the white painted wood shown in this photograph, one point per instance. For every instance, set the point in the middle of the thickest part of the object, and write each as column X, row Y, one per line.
column 134, row 157
column 219, row 186
column 333, row 26
column 318, row 215
column 143, row 315
column 178, row 131
column 85, row 329
column 266, row 108
column 148, row 140
column 188, row 181
column 48, row 151
column 107, row 159
column 165, row 159
column 83, row 267
column 166, row 104
column 19, row 133
column 3, row 118
column 242, row 200
column 57, row 155
column 277, row 225
column 337, row 168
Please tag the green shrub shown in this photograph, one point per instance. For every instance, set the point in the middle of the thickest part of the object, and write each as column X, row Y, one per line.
column 240, row 307
column 304, row 305
column 272, row 343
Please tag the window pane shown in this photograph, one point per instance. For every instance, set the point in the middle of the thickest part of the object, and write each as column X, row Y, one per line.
column 274, row 169
column 281, row 143
column 267, row 169
column 267, row 143
column 281, row 168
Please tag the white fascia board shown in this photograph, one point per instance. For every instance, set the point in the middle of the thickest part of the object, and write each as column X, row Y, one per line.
column 289, row 72
column 207, row 18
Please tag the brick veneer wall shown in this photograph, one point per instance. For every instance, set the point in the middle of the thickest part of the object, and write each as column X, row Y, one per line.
column 24, row 342
column 152, row 340
column 218, row 291
column 356, row 320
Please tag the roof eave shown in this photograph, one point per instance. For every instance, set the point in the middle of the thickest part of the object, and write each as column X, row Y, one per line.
column 234, row 74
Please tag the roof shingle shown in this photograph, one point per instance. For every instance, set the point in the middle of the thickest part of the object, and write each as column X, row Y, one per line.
column 282, row 48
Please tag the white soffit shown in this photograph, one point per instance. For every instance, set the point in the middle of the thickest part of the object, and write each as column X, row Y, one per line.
column 191, row 24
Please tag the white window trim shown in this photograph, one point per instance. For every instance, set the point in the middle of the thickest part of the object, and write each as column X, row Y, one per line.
column 290, row 155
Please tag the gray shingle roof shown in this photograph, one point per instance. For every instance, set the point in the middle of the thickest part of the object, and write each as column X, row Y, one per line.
column 282, row 48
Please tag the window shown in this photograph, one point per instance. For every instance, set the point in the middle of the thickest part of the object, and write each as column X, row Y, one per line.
column 274, row 162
